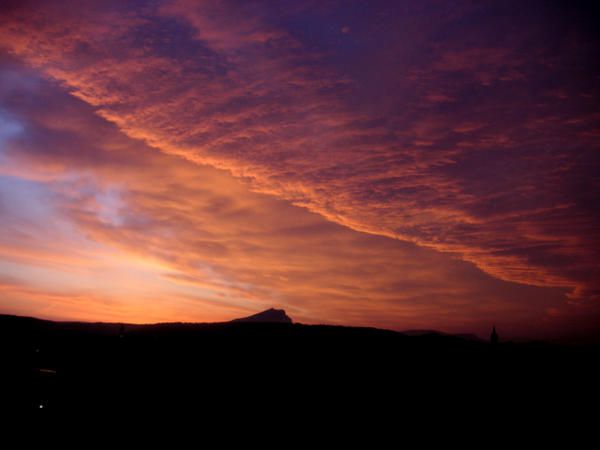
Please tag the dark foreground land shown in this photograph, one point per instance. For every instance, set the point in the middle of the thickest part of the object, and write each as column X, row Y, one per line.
column 79, row 366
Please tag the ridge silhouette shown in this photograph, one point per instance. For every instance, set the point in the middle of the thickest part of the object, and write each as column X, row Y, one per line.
column 261, row 358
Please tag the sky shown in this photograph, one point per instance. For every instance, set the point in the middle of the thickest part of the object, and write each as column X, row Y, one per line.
column 398, row 164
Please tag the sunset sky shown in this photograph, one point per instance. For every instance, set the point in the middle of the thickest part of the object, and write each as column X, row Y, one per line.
column 426, row 164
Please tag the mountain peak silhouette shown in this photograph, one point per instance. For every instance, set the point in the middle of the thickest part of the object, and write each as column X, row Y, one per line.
column 270, row 315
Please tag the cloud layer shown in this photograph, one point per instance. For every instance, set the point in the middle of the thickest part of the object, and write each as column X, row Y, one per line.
column 470, row 130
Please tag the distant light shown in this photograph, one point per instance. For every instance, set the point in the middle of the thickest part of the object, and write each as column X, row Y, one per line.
column 41, row 406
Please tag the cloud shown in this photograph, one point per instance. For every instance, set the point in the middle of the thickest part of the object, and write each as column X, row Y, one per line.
column 441, row 132
column 189, row 242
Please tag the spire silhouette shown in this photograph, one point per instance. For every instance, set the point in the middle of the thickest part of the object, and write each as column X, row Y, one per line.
column 494, row 336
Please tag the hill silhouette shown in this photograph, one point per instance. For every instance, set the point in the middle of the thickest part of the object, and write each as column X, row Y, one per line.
column 269, row 316
column 264, row 357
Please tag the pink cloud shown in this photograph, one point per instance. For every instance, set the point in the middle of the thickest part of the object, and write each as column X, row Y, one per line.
column 459, row 147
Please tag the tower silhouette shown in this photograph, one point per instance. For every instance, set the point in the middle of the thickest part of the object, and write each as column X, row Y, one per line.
column 494, row 336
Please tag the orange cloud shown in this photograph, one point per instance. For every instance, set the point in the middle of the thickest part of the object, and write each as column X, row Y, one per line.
column 189, row 242
column 500, row 176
